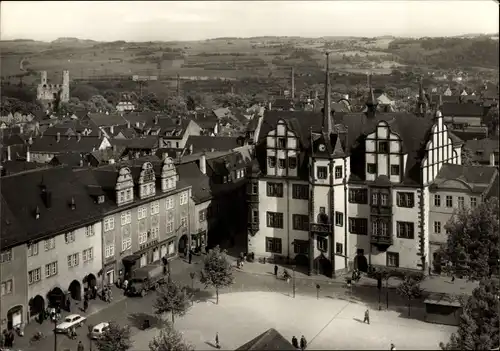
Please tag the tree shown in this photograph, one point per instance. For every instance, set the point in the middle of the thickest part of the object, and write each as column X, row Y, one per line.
column 479, row 323
column 468, row 157
column 172, row 299
column 169, row 339
column 83, row 92
column 217, row 271
column 472, row 247
column 115, row 338
column 410, row 289
column 491, row 120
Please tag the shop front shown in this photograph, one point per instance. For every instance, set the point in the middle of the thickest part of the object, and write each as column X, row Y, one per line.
column 198, row 241
column 167, row 248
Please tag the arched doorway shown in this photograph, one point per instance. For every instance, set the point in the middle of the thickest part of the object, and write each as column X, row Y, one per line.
column 90, row 281
column 324, row 266
column 56, row 297
column 183, row 243
column 75, row 290
column 361, row 263
column 14, row 316
column 301, row 260
column 37, row 305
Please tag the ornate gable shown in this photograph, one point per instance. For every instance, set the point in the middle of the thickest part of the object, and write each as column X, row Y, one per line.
column 147, row 181
column 124, row 186
column 168, row 175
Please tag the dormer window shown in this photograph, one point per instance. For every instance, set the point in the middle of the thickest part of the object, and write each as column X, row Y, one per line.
column 100, row 199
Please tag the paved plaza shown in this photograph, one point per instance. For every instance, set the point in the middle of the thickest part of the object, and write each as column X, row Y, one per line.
column 326, row 323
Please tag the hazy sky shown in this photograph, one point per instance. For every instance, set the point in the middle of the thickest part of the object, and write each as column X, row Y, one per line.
column 192, row 20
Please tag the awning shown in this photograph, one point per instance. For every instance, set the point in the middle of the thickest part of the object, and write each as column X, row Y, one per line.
column 130, row 259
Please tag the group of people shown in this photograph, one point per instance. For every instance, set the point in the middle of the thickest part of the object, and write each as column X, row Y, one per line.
column 286, row 275
column 303, row 342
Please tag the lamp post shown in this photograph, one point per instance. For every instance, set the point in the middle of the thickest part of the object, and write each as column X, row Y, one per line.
column 54, row 320
column 293, row 280
column 317, row 291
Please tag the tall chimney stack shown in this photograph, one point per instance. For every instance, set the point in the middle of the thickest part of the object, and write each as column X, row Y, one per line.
column 203, row 163
column 293, row 84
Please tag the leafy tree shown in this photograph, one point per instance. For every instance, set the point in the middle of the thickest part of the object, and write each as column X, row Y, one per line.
column 115, row 338
column 175, row 106
column 112, row 96
column 169, row 339
column 83, row 92
column 491, row 120
column 472, row 247
column 99, row 103
column 172, row 299
column 410, row 289
column 479, row 323
column 468, row 157
column 217, row 271
column 190, row 104
column 149, row 102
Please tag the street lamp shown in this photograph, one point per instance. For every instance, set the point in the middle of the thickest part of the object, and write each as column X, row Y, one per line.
column 317, row 291
column 293, row 280
column 54, row 320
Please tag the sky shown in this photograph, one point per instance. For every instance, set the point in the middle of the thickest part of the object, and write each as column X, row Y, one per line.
column 196, row 20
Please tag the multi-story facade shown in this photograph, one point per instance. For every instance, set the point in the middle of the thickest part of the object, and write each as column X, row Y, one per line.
column 56, row 248
column 455, row 187
column 347, row 189
column 146, row 212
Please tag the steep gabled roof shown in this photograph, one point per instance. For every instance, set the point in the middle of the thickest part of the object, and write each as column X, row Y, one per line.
column 106, row 120
column 209, row 143
column 271, row 339
column 49, row 144
column 465, row 110
column 200, row 183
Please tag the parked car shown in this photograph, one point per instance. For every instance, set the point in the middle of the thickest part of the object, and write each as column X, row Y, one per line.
column 145, row 279
column 98, row 329
column 73, row 320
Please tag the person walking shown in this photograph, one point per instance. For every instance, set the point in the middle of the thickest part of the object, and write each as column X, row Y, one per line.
column 85, row 305
column 276, row 270
column 68, row 305
column 217, row 345
column 303, row 343
column 367, row 317
column 393, row 347
column 295, row 342
column 190, row 256
column 80, row 346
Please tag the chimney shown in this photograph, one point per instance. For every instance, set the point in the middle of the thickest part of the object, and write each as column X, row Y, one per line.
column 72, row 204
column 128, row 125
column 58, row 137
column 156, row 119
column 492, row 159
column 81, row 163
column 137, row 124
column 270, row 106
column 112, row 130
column 69, row 136
column 37, row 212
column 191, row 149
column 28, row 155
column 21, row 129
column 100, row 134
column 9, row 154
column 293, row 84
column 203, row 163
column 78, row 136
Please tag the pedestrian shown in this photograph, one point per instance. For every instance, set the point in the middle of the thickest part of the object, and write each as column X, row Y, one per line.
column 276, row 270
column 185, row 252
column 11, row 338
column 85, row 305
column 68, row 305
column 295, row 342
column 303, row 343
column 125, row 284
column 367, row 317
column 393, row 347
column 452, row 278
column 80, row 346
column 41, row 317
column 217, row 345
column 190, row 256
column 94, row 292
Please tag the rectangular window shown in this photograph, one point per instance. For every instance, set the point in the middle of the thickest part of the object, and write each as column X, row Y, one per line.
column 383, row 146
column 50, row 269
column 322, row 172
column 375, row 198
column 170, row 203
column 301, row 247
column 339, row 248
column 384, row 199
column 282, row 163
column 73, row 260
column 126, row 244
column 358, row 226
column 322, row 243
column 461, row 202
column 473, row 202
column 170, row 225
column 271, row 161
column 34, row 275
column 184, row 198
column 273, row 245
column 338, row 172
column 88, row 255
column 109, row 224
column 7, row 287
column 292, row 162
column 282, row 143
column 358, row 196
column 300, row 222
column 405, row 230
column 50, row 244
column 32, row 249
column 255, row 216
column 155, row 207
column 274, row 189
column 155, row 233
column 406, row 199
column 109, row 251
column 89, row 230
column 255, row 188
column 6, row 256
column 395, row 170
column 437, row 227
column 126, row 217
column 184, row 222
column 371, row 168
column 449, row 201
column 300, row 191
column 143, row 237
column 392, row 259
column 69, row 237
column 142, row 212
column 274, row 220
column 339, row 219
column 437, row 200
column 202, row 215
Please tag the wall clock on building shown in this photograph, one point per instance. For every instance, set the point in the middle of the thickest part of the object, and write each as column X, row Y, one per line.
column 321, row 147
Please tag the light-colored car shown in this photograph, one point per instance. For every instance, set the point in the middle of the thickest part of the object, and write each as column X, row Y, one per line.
column 73, row 320
column 98, row 329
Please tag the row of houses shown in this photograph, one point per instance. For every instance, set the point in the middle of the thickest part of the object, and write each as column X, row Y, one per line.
column 68, row 229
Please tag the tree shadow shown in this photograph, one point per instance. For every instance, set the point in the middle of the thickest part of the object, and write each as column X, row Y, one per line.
column 198, row 295
column 137, row 320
